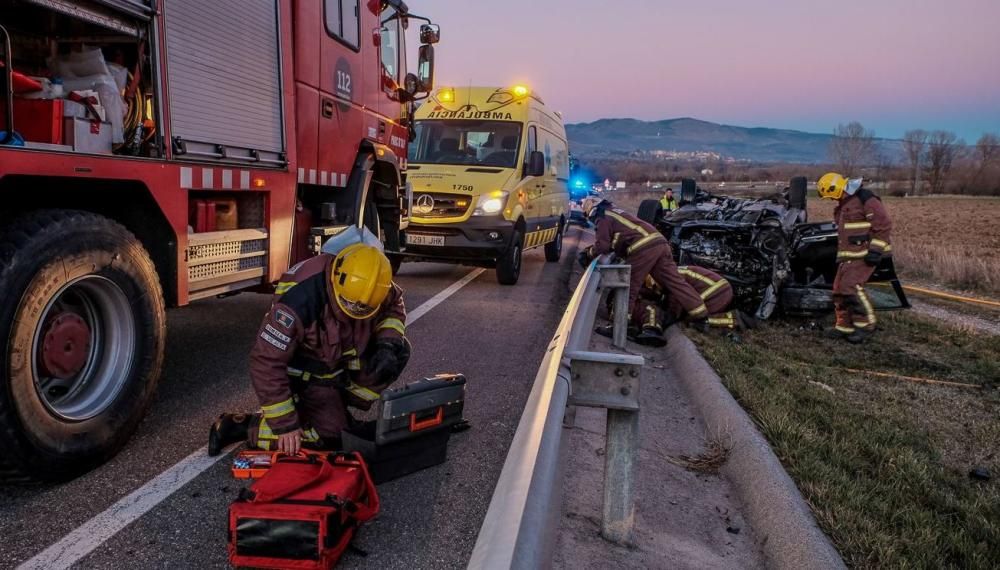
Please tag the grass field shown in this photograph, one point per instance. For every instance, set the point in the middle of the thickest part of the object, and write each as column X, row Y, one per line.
column 948, row 240
column 883, row 462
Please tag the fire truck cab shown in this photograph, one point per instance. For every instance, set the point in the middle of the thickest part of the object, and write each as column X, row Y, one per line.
column 156, row 152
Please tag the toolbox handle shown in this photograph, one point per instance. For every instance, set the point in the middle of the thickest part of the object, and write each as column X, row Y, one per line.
column 433, row 421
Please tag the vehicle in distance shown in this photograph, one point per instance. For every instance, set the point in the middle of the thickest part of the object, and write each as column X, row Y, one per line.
column 489, row 169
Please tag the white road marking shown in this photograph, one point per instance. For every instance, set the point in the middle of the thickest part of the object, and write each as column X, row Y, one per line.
column 93, row 533
column 440, row 297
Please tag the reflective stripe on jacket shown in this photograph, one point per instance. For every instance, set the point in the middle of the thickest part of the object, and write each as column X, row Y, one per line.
column 623, row 233
column 862, row 225
column 305, row 335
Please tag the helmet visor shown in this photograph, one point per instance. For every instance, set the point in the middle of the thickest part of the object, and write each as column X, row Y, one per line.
column 355, row 309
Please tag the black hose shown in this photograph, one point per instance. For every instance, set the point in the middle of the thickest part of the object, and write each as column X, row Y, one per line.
column 8, row 86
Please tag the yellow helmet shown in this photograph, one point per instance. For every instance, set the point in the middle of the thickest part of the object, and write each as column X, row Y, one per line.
column 831, row 186
column 362, row 278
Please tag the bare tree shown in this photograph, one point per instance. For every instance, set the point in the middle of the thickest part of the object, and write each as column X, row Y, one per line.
column 987, row 153
column 914, row 143
column 942, row 147
column 852, row 147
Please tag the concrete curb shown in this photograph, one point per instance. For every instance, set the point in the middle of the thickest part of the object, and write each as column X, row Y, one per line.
column 774, row 506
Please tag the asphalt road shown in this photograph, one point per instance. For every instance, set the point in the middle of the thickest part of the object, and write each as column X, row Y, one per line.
column 494, row 335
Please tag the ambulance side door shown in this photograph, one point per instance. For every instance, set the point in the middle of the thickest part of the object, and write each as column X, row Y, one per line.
column 535, row 188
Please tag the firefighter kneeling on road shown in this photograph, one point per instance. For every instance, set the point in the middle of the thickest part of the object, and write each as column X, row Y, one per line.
column 863, row 228
column 335, row 335
column 714, row 289
column 648, row 253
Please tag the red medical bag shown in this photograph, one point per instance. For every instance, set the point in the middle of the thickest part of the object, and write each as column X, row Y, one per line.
column 302, row 513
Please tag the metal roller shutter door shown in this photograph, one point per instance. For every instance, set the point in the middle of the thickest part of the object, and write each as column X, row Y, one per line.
column 224, row 76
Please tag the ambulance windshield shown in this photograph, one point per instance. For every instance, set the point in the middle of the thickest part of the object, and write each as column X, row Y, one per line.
column 467, row 142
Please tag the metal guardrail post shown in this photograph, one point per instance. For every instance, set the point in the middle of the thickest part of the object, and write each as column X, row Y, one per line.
column 519, row 530
column 611, row 381
column 620, row 455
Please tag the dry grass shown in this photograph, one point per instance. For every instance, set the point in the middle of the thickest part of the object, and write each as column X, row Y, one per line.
column 946, row 240
column 708, row 461
column 953, row 241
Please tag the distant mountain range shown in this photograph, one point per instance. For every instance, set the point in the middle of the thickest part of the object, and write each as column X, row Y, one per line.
column 607, row 137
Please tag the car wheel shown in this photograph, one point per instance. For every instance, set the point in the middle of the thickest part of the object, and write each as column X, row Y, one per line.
column 553, row 249
column 509, row 265
column 650, row 211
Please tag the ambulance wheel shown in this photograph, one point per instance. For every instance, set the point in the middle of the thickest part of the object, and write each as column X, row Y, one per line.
column 553, row 249
column 83, row 332
column 509, row 265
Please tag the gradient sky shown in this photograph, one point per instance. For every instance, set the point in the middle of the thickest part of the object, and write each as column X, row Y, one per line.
column 799, row 64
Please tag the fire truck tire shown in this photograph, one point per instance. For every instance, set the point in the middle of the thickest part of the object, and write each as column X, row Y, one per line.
column 553, row 249
column 82, row 338
column 509, row 264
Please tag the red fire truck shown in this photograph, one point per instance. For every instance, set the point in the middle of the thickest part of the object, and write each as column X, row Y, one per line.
column 156, row 152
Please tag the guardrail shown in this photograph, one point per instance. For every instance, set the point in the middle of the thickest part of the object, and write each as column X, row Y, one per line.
column 520, row 527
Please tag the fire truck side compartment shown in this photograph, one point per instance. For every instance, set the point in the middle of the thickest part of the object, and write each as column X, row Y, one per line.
column 225, row 81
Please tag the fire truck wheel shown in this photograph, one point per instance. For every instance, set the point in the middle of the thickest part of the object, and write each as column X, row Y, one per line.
column 82, row 331
column 509, row 264
column 553, row 249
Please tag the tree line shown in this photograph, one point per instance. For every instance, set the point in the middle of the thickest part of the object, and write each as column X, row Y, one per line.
column 928, row 162
column 922, row 162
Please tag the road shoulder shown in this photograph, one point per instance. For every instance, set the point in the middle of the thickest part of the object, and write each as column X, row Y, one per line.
column 687, row 514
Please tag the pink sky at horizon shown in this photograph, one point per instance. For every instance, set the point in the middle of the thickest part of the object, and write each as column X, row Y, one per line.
column 891, row 64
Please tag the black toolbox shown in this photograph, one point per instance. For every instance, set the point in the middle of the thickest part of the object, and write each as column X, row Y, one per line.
column 413, row 427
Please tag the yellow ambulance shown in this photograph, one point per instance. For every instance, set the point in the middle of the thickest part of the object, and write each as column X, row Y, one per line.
column 489, row 170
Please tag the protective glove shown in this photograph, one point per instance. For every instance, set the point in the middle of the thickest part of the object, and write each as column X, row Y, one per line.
column 386, row 363
column 584, row 258
column 873, row 258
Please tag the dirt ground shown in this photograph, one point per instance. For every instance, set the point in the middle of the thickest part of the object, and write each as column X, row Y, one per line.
column 687, row 516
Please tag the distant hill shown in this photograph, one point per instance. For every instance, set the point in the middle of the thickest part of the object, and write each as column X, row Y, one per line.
column 612, row 136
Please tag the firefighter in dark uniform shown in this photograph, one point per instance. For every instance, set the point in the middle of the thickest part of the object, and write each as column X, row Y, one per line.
column 335, row 335
column 648, row 253
column 655, row 308
column 863, row 228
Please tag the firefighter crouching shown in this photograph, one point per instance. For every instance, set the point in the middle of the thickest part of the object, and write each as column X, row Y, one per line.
column 863, row 228
column 656, row 309
column 648, row 253
column 334, row 336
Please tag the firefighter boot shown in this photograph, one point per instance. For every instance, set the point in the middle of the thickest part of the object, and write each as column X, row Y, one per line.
column 229, row 428
column 609, row 331
column 651, row 336
column 838, row 332
column 861, row 336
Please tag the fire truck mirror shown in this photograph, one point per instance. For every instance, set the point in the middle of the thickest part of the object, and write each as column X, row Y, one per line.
column 425, row 68
column 430, row 34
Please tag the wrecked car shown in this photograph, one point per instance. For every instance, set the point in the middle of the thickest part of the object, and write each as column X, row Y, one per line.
column 776, row 259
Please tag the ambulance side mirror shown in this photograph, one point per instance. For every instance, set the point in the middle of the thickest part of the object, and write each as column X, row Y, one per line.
column 536, row 164
column 425, row 69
